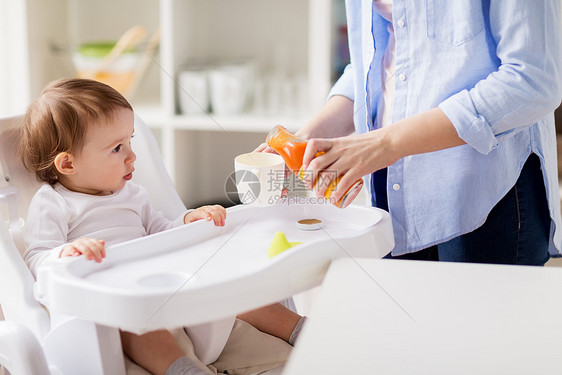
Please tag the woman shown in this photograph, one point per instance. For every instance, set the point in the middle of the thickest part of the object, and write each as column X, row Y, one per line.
column 452, row 104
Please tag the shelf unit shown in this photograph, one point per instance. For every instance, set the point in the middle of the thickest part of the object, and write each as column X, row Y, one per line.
column 293, row 39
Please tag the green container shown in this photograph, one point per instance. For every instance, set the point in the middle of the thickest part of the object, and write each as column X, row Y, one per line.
column 99, row 49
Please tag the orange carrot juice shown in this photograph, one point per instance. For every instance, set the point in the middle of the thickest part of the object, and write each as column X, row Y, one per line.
column 292, row 148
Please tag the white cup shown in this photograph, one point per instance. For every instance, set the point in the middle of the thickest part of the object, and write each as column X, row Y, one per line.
column 193, row 91
column 231, row 88
column 259, row 178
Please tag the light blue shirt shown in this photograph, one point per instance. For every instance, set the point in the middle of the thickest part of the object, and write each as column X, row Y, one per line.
column 493, row 67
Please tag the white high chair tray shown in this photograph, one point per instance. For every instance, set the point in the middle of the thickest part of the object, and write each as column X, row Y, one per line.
column 174, row 278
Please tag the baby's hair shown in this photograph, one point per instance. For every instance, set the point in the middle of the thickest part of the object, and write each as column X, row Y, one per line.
column 57, row 121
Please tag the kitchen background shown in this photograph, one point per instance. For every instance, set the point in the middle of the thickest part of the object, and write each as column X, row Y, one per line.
column 210, row 77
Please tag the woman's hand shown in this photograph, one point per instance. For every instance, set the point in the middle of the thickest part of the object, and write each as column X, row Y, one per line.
column 216, row 213
column 264, row 148
column 91, row 248
column 355, row 156
column 352, row 157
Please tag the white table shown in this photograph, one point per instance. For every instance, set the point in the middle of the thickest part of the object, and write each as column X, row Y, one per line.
column 411, row 317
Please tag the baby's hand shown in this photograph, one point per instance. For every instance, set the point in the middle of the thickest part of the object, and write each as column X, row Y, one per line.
column 91, row 248
column 216, row 213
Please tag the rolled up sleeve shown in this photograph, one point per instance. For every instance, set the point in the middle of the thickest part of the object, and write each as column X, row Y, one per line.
column 344, row 85
column 471, row 126
column 527, row 84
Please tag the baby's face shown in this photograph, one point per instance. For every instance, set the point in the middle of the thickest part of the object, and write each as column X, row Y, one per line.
column 106, row 162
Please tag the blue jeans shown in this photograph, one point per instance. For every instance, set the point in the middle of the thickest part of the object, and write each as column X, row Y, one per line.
column 516, row 231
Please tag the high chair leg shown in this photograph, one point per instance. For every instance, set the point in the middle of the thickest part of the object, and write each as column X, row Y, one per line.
column 77, row 346
column 20, row 352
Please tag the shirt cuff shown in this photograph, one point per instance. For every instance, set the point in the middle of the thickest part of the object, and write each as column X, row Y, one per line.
column 471, row 127
column 344, row 85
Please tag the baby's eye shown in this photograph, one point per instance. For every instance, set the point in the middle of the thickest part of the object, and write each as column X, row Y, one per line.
column 117, row 149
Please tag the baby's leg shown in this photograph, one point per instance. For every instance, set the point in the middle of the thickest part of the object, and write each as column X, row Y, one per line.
column 276, row 320
column 157, row 351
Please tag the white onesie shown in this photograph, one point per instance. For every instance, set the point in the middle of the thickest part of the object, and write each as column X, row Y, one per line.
column 58, row 216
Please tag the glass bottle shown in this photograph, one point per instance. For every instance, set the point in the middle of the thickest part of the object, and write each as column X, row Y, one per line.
column 292, row 148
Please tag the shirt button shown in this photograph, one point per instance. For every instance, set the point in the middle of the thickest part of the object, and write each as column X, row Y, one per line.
column 396, row 187
column 402, row 76
column 400, row 22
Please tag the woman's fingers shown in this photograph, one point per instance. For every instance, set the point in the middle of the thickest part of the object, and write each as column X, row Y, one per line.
column 313, row 147
column 265, row 148
column 337, row 163
column 346, row 181
column 326, row 182
column 319, row 171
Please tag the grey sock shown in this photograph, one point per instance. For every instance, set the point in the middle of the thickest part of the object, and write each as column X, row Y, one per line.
column 296, row 331
column 184, row 366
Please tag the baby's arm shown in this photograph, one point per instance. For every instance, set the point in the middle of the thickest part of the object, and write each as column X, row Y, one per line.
column 46, row 228
column 47, row 231
column 216, row 213
column 155, row 221
column 91, row 248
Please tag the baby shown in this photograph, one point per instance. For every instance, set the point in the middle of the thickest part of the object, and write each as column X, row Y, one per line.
column 76, row 138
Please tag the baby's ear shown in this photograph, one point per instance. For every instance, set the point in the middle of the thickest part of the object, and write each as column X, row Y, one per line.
column 64, row 163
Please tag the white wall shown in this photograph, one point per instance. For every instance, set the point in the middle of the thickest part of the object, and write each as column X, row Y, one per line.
column 14, row 68
column 206, row 160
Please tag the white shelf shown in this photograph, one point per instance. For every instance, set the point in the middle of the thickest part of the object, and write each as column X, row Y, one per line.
column 246, row 122
column 291, row 39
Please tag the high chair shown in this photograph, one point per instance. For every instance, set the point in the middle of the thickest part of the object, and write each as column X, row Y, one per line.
column 87, row 306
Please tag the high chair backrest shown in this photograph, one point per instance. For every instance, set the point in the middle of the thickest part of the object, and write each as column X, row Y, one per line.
column 151, row 173
column 17, row 187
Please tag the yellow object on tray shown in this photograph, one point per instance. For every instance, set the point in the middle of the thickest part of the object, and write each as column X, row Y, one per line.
column 279, row 244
